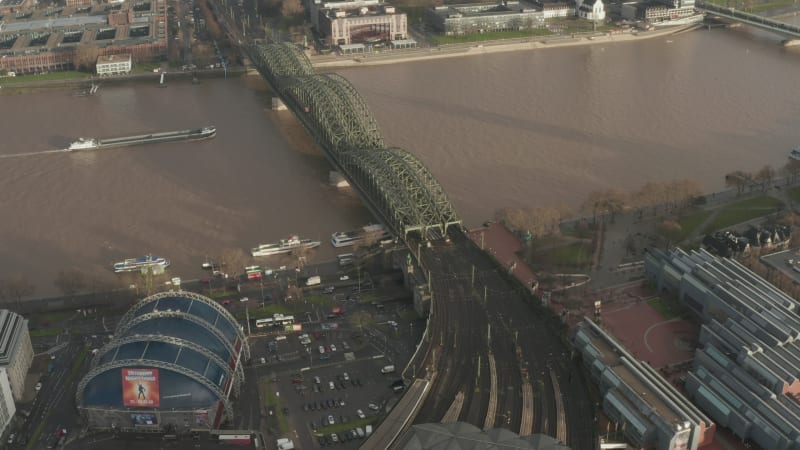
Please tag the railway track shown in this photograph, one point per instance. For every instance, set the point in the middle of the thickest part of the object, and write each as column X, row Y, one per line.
column 476, row 311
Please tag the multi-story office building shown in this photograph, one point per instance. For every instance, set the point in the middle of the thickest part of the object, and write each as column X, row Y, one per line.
column 7, row 407
column 746, row 374
column 16, row 350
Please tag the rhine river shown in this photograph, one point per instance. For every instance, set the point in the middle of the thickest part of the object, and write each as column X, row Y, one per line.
column 530, row 128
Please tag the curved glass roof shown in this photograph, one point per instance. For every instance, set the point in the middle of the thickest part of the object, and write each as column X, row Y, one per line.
column 194, row 305
column 181, row 329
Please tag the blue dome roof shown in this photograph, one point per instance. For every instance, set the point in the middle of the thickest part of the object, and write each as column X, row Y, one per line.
column 195, row 344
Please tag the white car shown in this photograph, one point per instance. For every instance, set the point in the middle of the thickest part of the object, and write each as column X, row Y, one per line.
column 321, row 350
column 344, row 278
column 361, row 414
column 331, row 420
column 346, row 376
column 333, row 348
column 332, row 386
column 38, row 386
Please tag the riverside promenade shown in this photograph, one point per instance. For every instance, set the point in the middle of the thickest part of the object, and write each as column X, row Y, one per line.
column 487, row 47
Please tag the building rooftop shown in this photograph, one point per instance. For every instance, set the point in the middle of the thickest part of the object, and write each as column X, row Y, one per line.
column 60, row 22
column 113, row 58
column 11, row 324
column 747, row 372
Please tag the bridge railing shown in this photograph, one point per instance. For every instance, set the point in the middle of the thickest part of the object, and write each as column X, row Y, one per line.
column 752, row 19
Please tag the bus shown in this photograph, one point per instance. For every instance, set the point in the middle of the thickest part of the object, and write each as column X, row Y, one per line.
column 253, row 272
column 261, row 323
column 284, row 320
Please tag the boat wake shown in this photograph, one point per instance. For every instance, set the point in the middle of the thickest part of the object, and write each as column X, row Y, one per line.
column 43, row 152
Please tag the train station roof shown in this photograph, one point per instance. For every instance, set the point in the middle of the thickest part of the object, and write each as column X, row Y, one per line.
column 464, row 436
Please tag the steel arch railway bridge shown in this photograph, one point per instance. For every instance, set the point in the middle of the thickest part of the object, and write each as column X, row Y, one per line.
column 396, row 186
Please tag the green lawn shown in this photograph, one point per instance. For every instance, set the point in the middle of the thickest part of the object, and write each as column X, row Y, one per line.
column 43, row 332
column 145, row 67
column 409, row 314
column 339, row 427
column 743, row 211
column 66, row 75
column 690, row 223
column 319, row 299
column 666, row 308
column 794, row 194
column 491, row 36
column 272, row 401
column 576, row 254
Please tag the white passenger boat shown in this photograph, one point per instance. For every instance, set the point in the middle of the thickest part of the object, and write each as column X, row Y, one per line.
column 283, row 246
column 135, row 264
column 348, row 238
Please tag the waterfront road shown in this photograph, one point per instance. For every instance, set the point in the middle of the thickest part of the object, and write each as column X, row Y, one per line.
column 477, row 311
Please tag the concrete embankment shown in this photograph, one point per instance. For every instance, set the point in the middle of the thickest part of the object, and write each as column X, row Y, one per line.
column 459, row 50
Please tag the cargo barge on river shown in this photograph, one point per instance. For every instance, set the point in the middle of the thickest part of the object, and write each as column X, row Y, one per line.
column 167, row 136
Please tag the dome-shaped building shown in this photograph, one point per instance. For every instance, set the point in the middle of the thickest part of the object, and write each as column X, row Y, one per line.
column 175, row 362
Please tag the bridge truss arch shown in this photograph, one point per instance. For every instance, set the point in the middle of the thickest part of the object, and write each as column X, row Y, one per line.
column 397, row 185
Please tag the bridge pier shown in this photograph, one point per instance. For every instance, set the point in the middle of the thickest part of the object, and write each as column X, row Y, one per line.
column 277, row 104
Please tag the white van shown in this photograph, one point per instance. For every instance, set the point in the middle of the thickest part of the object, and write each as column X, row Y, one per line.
column 368, row 430
column 388, row 369
column 313, row 281
column 280, row 338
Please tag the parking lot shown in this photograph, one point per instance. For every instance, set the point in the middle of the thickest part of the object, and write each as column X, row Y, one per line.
column 330, row 389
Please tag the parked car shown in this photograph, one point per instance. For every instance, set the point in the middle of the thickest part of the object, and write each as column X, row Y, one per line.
column 361, row 414
column 331, row 420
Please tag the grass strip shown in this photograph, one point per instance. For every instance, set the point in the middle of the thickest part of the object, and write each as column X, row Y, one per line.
column 664, row 309
column 44, row 332
column 340, row 427
column 743, row 211
column 272, row 401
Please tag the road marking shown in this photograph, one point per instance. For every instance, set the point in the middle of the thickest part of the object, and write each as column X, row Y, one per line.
column 647, row 332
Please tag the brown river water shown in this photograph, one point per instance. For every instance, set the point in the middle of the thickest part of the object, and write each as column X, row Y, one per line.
column 528, row 128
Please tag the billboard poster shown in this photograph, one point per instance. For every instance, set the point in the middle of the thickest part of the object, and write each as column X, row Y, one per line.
column 144, row 419
column 140, row 387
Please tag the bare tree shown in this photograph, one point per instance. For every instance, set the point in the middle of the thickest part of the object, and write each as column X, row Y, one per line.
column 609, row 201
column 791, row 170
column 18, row 286
column 70, row 281
column 765, row 176
column 86, row 57
column 234, row 261
column 513, row 218
column 291, row 7
column 738, row 180
column 670, row 230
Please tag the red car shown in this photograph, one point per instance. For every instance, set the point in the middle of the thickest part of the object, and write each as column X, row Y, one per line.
column 226, row 302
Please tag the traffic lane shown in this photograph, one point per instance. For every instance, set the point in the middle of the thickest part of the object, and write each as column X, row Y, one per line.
column 62, row 411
